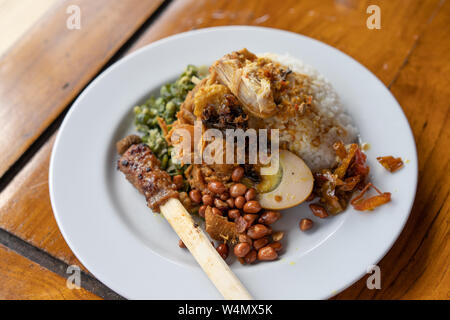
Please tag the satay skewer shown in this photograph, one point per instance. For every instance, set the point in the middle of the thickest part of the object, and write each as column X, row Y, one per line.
column 141, row 168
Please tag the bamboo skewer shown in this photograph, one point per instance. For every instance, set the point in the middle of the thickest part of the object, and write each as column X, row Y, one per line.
column 181, row 221
column 202, row 250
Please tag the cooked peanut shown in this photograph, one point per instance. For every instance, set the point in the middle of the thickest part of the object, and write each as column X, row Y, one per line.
column 207, row 200
column 216, row 187
column 258, row 231
column 252, row 206
column 277, row 236
column 318, row 210
column 245, row 238
column 306, row 224
column 178, row 181
column 185, row 200
column 269, row 217
column 250, row 218
column 195, row 196
column 258, row 244
column 277, row 246
column 230, row 202
column 201, row 211
column 224, row 196
column 222, row 249
column 241, row 224
column 237, row 190
column 250, row 257
column 267, row 254
column 220, row 204
column 239, row 202
column 234, row 214
column 250, row 194
column 241, row 249
column 237, row 174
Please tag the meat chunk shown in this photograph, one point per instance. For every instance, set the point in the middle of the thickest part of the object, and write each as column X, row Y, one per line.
column 228, row 115
column 219, row 228
column 196, row 179
column 237, row 71
column 263, row 86
column 141, row 168
column 123, row 144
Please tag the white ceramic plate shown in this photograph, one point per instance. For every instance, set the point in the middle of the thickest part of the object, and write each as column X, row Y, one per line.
column 134, row 252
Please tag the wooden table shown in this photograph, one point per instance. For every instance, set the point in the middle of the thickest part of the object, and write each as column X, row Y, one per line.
column 44, row 66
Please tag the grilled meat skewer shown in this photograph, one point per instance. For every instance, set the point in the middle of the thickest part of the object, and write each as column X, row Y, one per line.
column 141, row 168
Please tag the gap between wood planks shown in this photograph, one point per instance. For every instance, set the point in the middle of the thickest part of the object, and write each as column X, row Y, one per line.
column 26, row 249
column 51, row 129
column 55, row 265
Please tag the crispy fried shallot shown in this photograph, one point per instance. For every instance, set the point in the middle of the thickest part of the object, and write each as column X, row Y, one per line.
column 335, row 187
column 350, row 183
column 372, row 202
column 390, row 163
column 359, row 168
column 342, row 169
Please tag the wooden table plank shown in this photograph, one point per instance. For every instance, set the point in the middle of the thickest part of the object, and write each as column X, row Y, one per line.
column 417, row 265
column 16, row 17
column 341, row 24
column 22, row 279
column 25, row 208
column 319, row 24
column 49, row 66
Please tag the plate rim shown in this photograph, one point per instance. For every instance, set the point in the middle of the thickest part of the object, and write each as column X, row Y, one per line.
column 174, row 37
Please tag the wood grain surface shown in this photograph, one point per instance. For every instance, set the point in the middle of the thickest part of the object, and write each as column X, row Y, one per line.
column 25, row 208
column 49, row 66
column 341, row 24
column 16, row 17
column 23, row 279
column 409, row 54
column 417, row 266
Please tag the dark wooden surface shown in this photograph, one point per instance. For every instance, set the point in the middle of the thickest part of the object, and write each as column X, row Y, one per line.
column 21, row 278
column 50, row 65
column 410, row 54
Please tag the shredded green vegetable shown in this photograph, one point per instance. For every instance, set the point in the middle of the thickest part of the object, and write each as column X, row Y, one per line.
column 166, row 107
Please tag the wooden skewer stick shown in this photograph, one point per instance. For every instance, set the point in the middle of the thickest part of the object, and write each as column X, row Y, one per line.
column 201, row 248
column 179, row 218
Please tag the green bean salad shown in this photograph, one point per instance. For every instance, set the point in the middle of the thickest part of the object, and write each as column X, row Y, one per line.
column 165, row 107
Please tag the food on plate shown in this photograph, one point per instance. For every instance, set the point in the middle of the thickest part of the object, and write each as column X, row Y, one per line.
column 293, row 185
column 242, row 74
column 142, row 169
column 154, row 117
column 307, row 109
column 390, row 163
column 306, row 224
column 372, row 202
column 318, row 157
column 335, row 187
column 125, row 143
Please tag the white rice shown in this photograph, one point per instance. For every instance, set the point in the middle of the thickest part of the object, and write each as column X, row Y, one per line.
column 299, row 132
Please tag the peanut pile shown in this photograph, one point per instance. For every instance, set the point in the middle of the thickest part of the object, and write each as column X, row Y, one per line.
column 256, row 239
